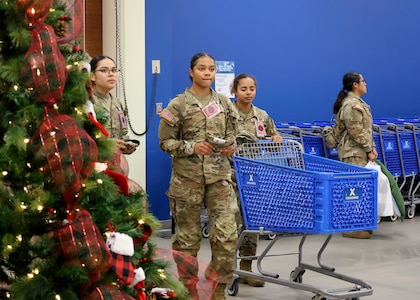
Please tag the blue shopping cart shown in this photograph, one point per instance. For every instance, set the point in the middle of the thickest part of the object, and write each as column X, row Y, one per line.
column 288, row 192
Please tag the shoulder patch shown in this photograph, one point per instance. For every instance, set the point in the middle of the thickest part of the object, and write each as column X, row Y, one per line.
column 165, row 114
column 358, row 107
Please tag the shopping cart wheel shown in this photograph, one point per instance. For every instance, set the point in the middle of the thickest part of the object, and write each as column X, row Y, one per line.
column 205, row 231
column 318, row 297
column 393, row 218
column 233, row 288
column 296, row 275
column 353, row 298
column 271, row 236
column 411, row 211
column 378, row 220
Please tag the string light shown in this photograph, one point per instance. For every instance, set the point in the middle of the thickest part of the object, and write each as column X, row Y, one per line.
column 33, row 273
column 4, row 173
column 57, row 297
column 23, row 206
column 162, row 273
column 26, row 140
column 40, row 208
column 19, row 238
column 100, row 181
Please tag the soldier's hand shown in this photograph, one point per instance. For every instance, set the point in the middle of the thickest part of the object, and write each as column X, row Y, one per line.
column 203, row 148
column 375, row 152
column 125, row 147
column 129, row 149
column 275, row 138
column 227, row 151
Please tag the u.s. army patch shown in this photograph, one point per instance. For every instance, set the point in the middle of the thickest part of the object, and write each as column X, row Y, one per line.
column 165, row 114
column 358, row 107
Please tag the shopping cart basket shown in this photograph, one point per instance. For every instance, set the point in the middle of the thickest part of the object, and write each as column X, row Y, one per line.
column 286, row 191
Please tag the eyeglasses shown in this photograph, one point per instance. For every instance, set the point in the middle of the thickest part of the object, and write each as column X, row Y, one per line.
column 359, row 81
column 107, row 70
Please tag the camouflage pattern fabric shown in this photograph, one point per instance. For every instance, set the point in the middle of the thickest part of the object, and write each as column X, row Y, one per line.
column 198, row 179
column 249, row 243
column 353, row 129
column 356, row 160
column 113, row 106
column 247, row 132
column 247, row 125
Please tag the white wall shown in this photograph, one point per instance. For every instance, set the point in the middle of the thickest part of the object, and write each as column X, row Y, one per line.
column 132, row 38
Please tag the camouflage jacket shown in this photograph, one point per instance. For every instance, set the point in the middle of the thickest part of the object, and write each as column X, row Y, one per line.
column 183, row 123
column 248, row 124
column 353, row 127
column 117, row 115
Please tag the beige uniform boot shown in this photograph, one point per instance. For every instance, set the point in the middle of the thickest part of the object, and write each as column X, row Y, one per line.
column 219, row 293
column 246, row 266
column 357, row 234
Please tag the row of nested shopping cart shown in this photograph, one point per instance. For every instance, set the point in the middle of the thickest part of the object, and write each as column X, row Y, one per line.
column 397, row 142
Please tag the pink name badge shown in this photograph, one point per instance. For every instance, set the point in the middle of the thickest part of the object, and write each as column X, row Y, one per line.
column 211, row 110
column 123, row 120
column 260, row 129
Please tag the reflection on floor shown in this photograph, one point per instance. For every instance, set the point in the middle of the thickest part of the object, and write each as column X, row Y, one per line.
column 389, row 261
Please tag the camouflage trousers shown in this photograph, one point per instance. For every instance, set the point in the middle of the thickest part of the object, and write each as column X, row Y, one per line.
column 186, row 199
column 249, row 243
column 356, row 160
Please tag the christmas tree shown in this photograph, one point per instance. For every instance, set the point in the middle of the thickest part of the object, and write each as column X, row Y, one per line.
column 71, row 225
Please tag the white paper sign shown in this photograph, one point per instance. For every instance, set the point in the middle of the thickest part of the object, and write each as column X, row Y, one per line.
column 224, row 77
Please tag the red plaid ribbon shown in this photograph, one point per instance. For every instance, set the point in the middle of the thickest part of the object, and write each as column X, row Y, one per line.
column 67, row 151
column 81, row 242
column 44, row 68
column 105, row 292
column 36, row 10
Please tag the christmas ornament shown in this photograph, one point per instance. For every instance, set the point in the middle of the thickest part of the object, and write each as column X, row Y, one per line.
column 122, row 248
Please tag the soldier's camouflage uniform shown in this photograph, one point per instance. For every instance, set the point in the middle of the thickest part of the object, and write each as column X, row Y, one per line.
column 352, row 131
column 247, row 128
column 198, row 179
column 116, row 127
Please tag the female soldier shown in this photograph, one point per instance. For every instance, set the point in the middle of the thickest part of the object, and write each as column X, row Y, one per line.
column 352, row 131
column 198, row 129
column 253, row 123
column 104, row 77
